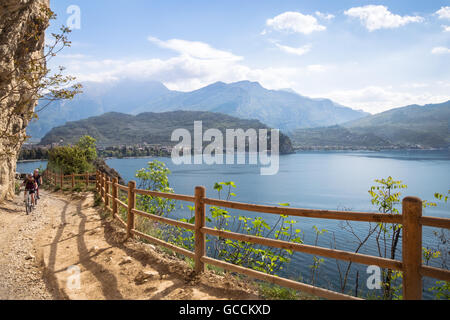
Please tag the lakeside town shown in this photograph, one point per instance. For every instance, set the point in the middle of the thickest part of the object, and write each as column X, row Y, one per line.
column 38, row 152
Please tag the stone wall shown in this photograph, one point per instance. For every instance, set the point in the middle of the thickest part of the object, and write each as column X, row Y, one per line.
column 18, row 20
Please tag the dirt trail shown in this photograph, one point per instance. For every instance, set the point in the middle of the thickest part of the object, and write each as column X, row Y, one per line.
column 42, row 253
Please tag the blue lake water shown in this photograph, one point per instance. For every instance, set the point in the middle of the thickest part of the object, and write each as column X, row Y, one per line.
column 320, row 180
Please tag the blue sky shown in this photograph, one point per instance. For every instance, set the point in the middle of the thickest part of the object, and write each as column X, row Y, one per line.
column 370, row 55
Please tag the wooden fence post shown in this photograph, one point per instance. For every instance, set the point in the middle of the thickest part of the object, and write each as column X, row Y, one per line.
column 412, row 248
column 200, row 220
column 61, row 179
column 131, row 205
column 115, row 195
column 87, row 179
column 97, row 181
column 102, row 184
column 107, row 179
column 104, row 187
column 73, row 180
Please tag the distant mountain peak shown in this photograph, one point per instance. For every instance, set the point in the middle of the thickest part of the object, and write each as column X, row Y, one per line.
column 289, row 90
column 217, row 84
column 247, row 84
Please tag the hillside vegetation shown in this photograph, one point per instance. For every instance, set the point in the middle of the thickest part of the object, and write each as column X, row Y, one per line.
column 112, row 129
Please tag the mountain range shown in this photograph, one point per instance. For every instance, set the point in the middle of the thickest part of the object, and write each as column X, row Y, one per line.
column 310, row 123
column 282, row 109
column 412, row 126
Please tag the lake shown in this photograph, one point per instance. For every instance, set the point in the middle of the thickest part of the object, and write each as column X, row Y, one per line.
column 319, row 180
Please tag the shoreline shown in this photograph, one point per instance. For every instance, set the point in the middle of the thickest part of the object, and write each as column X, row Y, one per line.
column 303, row 149
column 34, row 160
column 281, row 154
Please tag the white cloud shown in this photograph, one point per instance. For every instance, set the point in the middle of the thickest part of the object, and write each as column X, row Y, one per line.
column 326, row 16
column 376, row 99
column 195, row 49
column 379, row 17
column 295, row 22
column 197, row 64
column 446, row 28
column 440, row 50
column 443, row 13
column 183, row 72
column 297, row 51
column 72, row 56
column 415, row 85
column 316, row 68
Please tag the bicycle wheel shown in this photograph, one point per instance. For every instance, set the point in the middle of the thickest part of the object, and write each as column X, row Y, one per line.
column 27, row 207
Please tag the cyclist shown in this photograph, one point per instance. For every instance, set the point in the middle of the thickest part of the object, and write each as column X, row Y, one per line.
column 38, row 179
column 30, row 187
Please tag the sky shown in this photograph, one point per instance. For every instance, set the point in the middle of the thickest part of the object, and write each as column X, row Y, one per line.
column 368, row 55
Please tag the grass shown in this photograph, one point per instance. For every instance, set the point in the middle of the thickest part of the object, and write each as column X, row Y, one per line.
column 274, row 292
column 271, row 291
column 17, row 187
column 217, row 270
column 79, row 187
column 97, row 199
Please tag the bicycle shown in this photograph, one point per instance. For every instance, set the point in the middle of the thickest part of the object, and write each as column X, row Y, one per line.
column 29, row 206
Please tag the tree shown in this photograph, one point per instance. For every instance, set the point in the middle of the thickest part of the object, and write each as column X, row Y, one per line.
column 155, row 178
column 87, row 144
column 386, row 199
column 73, row 159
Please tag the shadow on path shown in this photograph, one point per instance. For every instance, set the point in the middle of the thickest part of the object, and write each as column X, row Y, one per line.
column 107, row 280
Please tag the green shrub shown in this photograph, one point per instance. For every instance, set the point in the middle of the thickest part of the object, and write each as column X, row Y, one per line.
column 17, row 187
column 275, row 292
column 73, row 159
column 79, row 187
column 97, row 199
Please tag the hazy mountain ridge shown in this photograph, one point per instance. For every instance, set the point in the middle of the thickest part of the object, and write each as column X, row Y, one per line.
column 411, row 126
column 285, row 110
column 97, row 99
column 249, row 100
column 113, row 128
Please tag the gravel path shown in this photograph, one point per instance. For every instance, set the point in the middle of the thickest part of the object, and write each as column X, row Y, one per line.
column 20, row 268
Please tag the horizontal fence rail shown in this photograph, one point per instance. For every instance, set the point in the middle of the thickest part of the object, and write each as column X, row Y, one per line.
column 411, row 220
column 308, row 213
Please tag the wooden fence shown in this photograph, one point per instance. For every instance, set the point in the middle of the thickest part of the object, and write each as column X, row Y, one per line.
column 71, row 180
column 411, row 219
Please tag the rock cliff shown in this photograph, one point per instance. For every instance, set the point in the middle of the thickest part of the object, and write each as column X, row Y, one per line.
column 22, row 32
